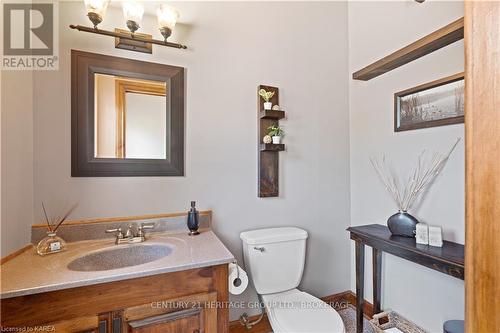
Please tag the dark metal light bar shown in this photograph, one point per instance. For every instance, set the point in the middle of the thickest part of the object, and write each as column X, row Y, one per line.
column 127, row 36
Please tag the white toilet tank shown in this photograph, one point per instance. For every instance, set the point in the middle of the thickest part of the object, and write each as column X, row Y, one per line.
column 274, row 258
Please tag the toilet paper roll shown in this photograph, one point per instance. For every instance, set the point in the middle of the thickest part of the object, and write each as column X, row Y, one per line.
column 238, row 279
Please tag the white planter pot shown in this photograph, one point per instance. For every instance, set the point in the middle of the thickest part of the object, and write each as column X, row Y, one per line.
column 268, row 106
column 276, row 140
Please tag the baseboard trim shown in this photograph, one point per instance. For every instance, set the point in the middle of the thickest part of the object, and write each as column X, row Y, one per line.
column 337, row 301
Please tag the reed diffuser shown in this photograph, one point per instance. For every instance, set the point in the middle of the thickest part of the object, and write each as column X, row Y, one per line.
column 52, row 243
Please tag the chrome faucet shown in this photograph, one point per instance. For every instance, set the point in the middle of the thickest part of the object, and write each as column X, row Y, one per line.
column 130, row 237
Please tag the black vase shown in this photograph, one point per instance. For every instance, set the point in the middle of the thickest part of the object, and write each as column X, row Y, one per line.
column 402, row 224
column 192, row 220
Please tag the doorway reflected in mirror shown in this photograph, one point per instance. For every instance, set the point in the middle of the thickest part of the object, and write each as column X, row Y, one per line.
column 130, row 118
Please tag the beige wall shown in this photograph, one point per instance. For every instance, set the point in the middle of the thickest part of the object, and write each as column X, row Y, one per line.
column 233, row 47
column 376, row 29
column 17, row 159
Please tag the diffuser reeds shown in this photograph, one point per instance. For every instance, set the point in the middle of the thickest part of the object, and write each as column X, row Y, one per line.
column 54, row 223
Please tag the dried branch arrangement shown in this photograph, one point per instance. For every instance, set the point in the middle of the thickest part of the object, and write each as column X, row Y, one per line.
column 54, row 223
column 406, row 193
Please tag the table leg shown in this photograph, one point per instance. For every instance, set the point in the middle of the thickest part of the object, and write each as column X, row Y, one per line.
column 360, row 279
column 377, row 278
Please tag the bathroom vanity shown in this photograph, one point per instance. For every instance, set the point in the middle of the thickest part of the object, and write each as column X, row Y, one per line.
column 172, row 302
column 91, row 287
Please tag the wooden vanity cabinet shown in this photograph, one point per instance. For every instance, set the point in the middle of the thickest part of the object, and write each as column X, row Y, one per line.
column 189, row 321
column 192, row 314
column 191, row 301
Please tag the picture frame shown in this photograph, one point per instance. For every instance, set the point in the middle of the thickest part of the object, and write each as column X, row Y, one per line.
column 437, row 103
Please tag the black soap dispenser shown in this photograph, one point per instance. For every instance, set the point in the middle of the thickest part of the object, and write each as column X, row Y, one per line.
column 192, row 221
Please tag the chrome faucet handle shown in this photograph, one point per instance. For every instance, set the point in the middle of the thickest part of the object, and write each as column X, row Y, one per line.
column 118, row 231
column 144, row 226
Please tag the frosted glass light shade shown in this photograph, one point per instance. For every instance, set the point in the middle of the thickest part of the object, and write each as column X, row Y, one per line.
column 96, row 9
column 133, row 11
column 167, row 16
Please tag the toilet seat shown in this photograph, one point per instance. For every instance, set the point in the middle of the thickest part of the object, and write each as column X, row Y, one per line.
column 294, row 311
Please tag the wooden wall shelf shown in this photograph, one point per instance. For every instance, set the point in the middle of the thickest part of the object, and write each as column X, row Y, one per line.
column 272, row 114
column 272, row 147
column 428, row 44
column 268, row 181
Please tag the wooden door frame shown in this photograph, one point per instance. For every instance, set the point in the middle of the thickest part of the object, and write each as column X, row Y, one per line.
column 482, row 136
column 122, row 87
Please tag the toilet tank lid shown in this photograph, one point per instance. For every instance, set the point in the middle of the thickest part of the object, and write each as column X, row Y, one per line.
column 273, row 235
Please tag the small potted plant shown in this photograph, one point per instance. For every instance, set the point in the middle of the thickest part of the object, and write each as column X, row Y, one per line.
column 266, row 96
column 277, row 133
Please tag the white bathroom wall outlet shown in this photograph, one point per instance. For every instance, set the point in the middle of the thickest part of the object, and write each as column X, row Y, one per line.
column 422, row 233
column 435, row 236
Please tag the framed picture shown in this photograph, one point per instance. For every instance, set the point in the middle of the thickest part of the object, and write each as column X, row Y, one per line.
column 436, row 103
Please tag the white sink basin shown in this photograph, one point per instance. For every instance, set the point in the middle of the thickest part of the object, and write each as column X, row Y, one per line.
column 119, row 257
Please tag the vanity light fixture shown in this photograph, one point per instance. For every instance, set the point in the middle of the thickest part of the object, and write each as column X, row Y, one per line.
column 133, row 12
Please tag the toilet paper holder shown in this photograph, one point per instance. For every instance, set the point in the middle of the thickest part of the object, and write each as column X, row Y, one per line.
column 237, row 281
column 237, row 278
column 244, row 318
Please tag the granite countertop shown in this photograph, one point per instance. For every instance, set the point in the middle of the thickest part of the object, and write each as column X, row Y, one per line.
column 29, row 273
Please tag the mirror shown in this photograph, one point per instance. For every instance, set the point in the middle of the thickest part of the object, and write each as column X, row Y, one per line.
column 130, row 117
column 127, row 117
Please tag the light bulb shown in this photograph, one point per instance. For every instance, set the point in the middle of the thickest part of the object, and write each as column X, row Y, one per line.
column 96, row 9
column 133, row 11
column 167, row 18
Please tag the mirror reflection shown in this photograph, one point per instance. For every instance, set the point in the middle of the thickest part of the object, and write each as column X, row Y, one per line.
column 130, row 118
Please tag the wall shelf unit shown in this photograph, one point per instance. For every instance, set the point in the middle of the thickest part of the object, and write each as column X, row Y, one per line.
column 268, row 160
column 272, row 147
column 272, row 114
column 428, row 44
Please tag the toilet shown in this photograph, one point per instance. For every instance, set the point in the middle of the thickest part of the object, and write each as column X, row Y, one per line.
column 274, row 258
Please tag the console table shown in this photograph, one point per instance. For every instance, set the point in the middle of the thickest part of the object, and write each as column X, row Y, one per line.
column 448, row 259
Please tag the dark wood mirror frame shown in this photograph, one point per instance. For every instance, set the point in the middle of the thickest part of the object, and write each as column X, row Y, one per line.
column 83, row 161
